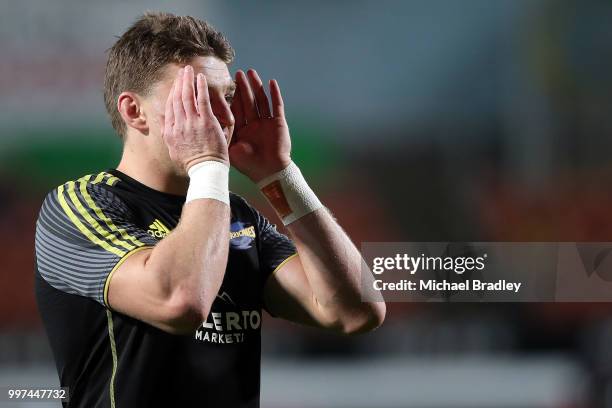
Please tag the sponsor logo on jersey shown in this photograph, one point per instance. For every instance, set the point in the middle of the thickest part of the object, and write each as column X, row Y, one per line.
column 158, row 230
column 241, row 236
column 228, row 327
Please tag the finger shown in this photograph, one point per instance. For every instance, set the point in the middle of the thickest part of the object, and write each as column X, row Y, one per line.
column 237, row 110
column 203, row 98
column 177, row 103
column 169, row 112
column 188, row 93
column 248, row 99
column 278, row 107
column 260, row 94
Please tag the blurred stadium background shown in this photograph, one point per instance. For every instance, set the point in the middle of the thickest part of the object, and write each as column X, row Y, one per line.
column 437, row 120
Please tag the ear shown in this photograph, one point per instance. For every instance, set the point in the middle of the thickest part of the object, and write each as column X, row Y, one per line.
column 130, row 107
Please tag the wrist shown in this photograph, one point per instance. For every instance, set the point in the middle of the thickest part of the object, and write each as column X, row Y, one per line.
column 257, row 177
column 289, row 194
column 208, row 179
column 193, row 161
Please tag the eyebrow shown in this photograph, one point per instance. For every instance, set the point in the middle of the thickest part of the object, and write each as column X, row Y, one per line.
column 230, row 88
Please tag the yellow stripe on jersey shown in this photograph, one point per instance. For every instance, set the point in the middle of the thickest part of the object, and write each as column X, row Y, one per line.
column 113, row 345
column 162, row 227
column 106, row 178
column 91, row 236
column 112, row 180
column 91, row 203
column 92, row 222
column 99, row 178
column 280, row 265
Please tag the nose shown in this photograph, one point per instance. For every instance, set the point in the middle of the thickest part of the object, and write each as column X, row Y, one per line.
column 223, row 113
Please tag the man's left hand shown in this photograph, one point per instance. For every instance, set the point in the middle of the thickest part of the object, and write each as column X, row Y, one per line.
column 260, row 145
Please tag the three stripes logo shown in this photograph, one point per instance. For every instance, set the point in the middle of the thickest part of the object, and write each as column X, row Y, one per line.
column 158, row 230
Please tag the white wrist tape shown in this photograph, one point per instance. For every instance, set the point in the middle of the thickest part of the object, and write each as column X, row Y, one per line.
column 289, row 194
column 208, row 179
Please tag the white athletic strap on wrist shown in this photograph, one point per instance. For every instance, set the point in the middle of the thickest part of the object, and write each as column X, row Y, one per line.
column 289, row 194
column 208, row 179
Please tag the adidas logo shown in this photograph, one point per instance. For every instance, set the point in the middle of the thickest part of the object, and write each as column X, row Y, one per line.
column 158, row 230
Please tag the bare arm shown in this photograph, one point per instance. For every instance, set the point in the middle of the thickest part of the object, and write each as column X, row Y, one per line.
column 322, row 285
column 173, row 285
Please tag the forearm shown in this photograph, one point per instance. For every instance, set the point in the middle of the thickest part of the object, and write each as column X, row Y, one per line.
column 190, row 262
column 335, row 270
column 331, row 264
column 192, row 259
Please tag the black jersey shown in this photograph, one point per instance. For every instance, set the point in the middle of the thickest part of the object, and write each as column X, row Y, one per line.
column 85, row 229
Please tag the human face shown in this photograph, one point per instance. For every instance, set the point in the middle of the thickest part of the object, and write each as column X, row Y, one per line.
column 221, row 89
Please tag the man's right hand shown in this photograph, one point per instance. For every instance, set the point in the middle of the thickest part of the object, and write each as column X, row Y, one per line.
column 191, row 130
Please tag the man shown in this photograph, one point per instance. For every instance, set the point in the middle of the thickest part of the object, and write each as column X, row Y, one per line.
column 151, row 277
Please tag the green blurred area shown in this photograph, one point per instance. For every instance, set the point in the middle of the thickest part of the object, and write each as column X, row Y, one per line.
column 49, row 157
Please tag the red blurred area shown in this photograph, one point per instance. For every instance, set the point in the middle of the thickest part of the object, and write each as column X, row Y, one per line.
column 17, row 223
